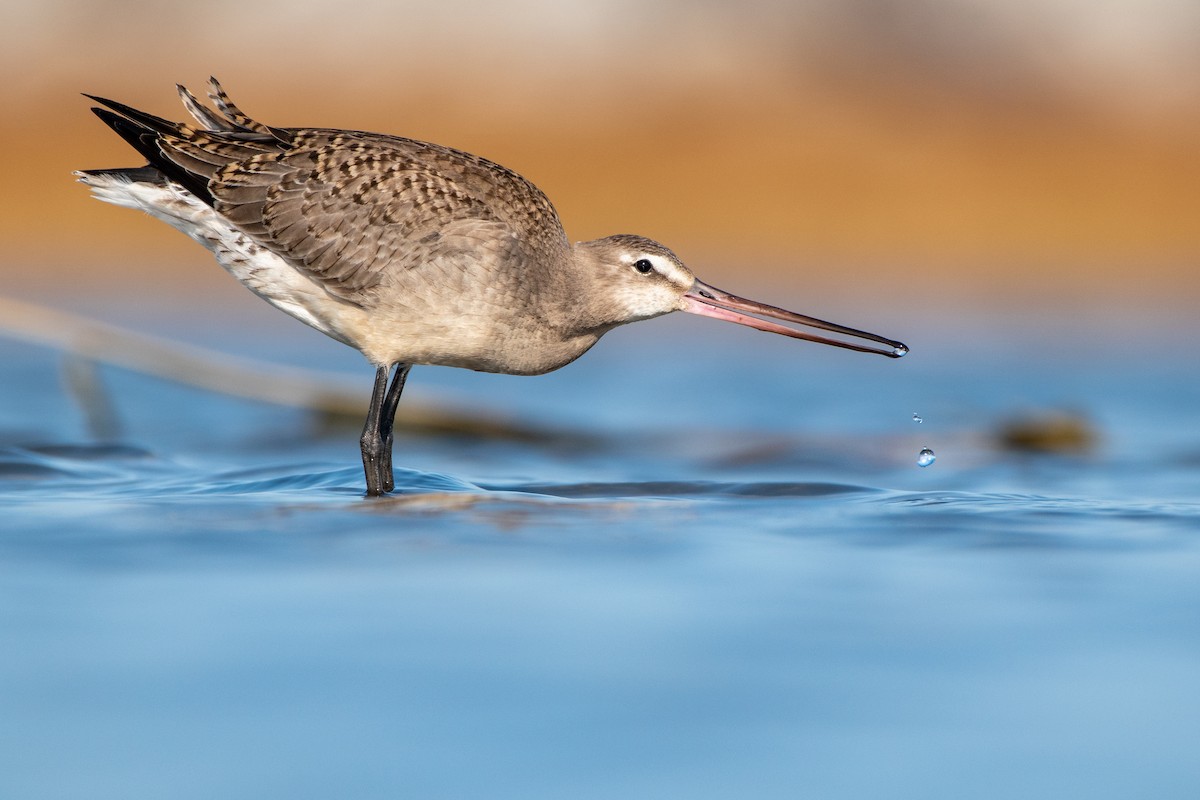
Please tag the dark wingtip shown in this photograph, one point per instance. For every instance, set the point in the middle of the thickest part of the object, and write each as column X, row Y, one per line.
column 137, row 136
column 115, row 121
column 143, row 137
column 140, row 117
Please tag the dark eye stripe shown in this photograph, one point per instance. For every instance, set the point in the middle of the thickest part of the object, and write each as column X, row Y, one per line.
column 643, row 265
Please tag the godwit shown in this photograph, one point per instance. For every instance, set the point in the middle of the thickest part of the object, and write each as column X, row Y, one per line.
column 410, row 252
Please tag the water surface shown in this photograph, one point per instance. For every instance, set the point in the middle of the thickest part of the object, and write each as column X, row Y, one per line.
column 729, row 579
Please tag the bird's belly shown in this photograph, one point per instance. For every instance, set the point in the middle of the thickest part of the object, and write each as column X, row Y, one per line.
column 454, row 341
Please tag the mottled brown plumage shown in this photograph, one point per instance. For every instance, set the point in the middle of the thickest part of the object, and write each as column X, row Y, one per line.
column 412, row 252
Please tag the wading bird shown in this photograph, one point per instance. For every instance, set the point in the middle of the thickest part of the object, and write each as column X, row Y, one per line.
column 410, row 252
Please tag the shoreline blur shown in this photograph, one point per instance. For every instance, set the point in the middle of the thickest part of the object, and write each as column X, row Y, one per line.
column 868, row 145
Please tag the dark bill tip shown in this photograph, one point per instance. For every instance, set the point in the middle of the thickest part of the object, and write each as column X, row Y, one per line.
column 708, row 301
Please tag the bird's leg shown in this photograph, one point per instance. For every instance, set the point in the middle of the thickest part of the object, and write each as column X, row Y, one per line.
column 371, row 440
column 387, row 419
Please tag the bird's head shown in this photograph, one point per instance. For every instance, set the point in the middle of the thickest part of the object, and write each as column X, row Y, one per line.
column 634, row 278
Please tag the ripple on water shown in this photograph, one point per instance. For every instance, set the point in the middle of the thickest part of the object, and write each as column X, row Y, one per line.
column 92, row 452
column 686, row 489
column 53, row 478
column 1018, row 519
column 93, row 464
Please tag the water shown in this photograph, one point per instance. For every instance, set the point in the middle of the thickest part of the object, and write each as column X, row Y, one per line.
column 926, row 457
column 729, row 579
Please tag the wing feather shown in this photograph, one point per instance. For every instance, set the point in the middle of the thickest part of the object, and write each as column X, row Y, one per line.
column 352, row 210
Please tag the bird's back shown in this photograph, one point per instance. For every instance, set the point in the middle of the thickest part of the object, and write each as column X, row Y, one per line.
column 417, row 235
column 357, row 210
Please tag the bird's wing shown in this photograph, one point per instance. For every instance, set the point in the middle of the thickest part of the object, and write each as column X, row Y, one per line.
column 346, row 208
column 349, row 209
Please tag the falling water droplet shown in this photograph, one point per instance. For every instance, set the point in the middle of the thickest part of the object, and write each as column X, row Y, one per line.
column 925, row 457
column 917, row 418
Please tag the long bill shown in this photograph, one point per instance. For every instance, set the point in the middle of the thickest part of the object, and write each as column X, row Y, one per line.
column 711, row 302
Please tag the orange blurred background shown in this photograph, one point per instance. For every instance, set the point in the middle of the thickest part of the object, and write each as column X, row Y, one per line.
column 991, row 152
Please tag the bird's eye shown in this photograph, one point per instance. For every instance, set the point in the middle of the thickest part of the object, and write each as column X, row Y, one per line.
column 643, row 266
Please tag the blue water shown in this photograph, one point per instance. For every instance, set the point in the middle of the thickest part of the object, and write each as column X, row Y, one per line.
column 729, row 578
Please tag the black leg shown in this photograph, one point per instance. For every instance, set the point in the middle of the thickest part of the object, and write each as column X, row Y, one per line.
column 371, row 440
column 387, row 419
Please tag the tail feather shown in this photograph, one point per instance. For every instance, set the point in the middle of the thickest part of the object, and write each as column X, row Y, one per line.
column 142, row 188
column 202, row 114
column 187, row 155
column 235, row 115
column 231, row 112
column 144, row 137
column 146, row 174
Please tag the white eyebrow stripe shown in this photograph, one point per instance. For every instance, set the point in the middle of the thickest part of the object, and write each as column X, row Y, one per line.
column 672, row 271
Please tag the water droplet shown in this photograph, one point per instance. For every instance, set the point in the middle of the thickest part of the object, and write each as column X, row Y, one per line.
column 917, row 418
column 925, row 457
column 900, row 350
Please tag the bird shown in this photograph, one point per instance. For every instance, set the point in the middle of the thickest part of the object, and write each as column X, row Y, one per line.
column 410, row 252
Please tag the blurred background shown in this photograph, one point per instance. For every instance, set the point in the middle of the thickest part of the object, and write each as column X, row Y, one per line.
column 967, row 154
column 700, row 562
